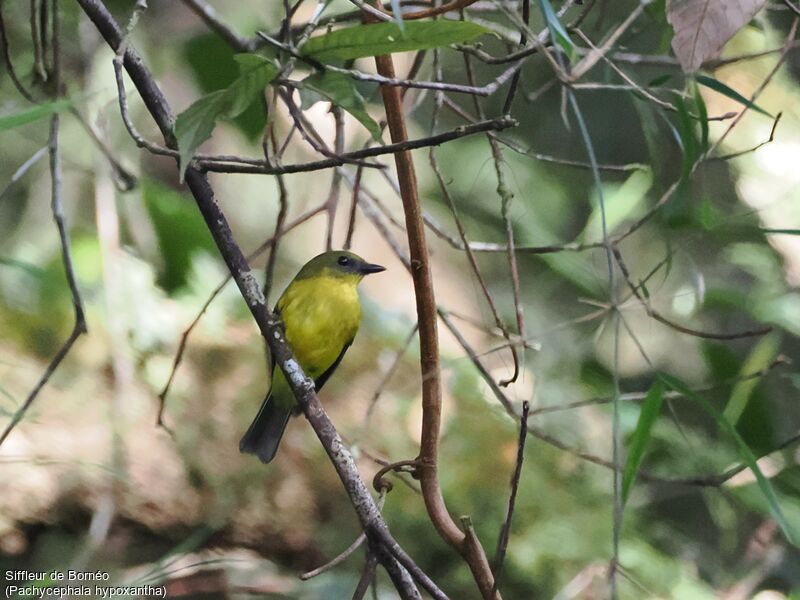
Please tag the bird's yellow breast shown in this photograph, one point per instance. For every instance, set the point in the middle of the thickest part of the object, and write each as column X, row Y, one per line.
column 321, row 315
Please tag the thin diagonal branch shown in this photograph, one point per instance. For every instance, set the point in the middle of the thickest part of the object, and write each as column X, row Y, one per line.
column 217, row 164
column 502, row 543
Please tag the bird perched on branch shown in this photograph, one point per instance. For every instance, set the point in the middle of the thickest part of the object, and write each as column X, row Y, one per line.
column 321, row 312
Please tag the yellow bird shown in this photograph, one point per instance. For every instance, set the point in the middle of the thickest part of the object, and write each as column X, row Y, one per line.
column 321, row 312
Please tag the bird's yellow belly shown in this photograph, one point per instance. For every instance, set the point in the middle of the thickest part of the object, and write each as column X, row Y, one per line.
column 321, row 317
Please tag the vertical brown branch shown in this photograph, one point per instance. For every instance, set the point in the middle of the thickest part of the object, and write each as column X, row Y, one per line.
column 468, row 546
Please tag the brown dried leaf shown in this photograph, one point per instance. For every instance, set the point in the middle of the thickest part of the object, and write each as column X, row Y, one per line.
column 703, row 26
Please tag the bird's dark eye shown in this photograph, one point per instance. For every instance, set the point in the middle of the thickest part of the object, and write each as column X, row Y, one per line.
column 344, row 261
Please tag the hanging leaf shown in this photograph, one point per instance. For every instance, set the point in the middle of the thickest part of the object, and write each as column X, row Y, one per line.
column 195, row 125
column 759, row 359
column 688, row 139
column 723, row 89
column 342, row 91
column 622, row 204
column 557, row 30
column 651, row 407
column 214, row 66
column 660, row 80
column 702, row 27
column 386, row 38
column 745, row 453
column 702, row 116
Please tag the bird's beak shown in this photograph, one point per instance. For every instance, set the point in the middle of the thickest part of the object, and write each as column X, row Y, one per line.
column 367, row 269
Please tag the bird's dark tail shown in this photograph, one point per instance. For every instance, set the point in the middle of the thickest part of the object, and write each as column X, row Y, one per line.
column 266, row 430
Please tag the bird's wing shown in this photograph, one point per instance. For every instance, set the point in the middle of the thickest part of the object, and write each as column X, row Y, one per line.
column 320, row 381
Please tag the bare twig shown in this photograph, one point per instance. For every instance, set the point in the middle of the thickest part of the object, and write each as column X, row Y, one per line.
column 343, row 556
column 669, row 394
column 124, row 180
column 367, row 577
column 57, row 206
column 792, row 7
column 378, row 14
column 351, row 219
column 787, row 46
column 471, row 90
column 338, row 560
column 12, row 73
column 502, row 543
column 506, row 197
column 595, row 54
column 283, row 200
column 398, row 358
column 769, row 140
column 214, row 164
column 654, row 314
column 336, row 181
column 209, row 16
column 24, row 168
column 462, row 232
column 523, row 39
column 39, row 38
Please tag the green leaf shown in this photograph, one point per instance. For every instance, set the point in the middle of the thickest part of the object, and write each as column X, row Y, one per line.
column 660, row 80
column 214, row 66
column 26, row 267
column 723, row 89
column 556, row 28
column 195, row 125
column 623, row 203
column 386, row 38
column 656, row 10
column 687, row 139
column 32, row 114
column 759, row 359
column 255, row 72
column 342, row 91
column 744, row 452
column 702, row 116
column 651, row 407
column 653, row 136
